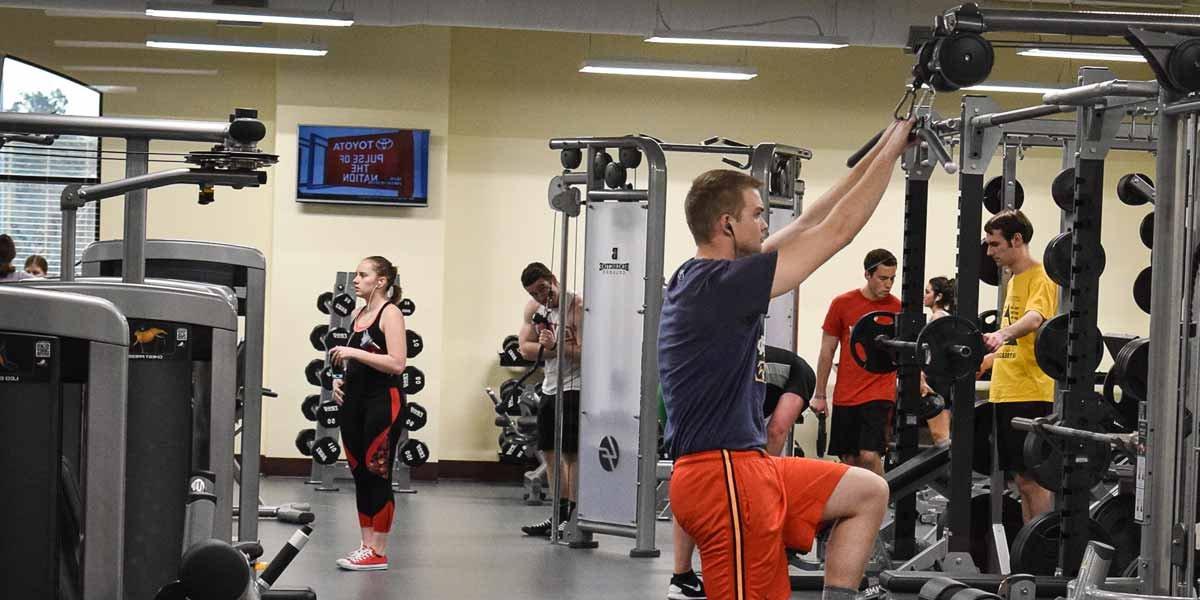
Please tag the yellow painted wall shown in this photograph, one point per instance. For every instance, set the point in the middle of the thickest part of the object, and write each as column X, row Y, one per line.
column 492, row 99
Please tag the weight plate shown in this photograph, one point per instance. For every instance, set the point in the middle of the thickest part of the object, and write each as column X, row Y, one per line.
column 1131, row 370
column 316, row 337
column 415, row 416
column 989, row 321
column 864, row 346
column 343, row 304
column 940, row 588
column 328, row 414
column 1141, row 290
column 412, row 380
column 1131, row 194
column 963, row 60
column 1146, row 230
column 338, row 336
column 326, row 451
column 1050, row 348
column 1182, row 70
column 323, row 301
column 414, row 453
column 993, row 194
column 304, row 441
column 1057, row 259
column 989, row 271
column 1062, row 189
column 414, row 342
column 308, row 407
column 1035, row 549
column 407, row 307
column 1043, row 459
column 952, row 347
column 1115, row 515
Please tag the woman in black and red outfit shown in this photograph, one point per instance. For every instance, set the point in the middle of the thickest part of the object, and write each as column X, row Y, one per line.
column 371, row 404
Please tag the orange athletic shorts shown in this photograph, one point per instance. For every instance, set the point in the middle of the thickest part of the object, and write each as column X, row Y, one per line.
column 743, row 508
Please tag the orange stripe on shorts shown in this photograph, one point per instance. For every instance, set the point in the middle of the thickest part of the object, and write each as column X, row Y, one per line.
column 735, row 516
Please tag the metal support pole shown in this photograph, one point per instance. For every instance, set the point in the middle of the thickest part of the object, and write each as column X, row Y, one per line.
column 66, row 260
column 565, row 299
column 136, row 163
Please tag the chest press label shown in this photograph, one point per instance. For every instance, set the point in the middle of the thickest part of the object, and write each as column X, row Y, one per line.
column 159, row 340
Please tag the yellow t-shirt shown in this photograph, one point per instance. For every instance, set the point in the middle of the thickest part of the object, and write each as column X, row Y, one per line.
column 1016, row 376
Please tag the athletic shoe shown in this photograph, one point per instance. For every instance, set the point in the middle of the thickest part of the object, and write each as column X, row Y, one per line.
column 686, row 586
column 363, row 559
column 539, row 529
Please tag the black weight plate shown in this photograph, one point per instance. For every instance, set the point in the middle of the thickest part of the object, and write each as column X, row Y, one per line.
column 1035, row 549
column 308, row 407
column 414, row 453
column 304, row 441
column 343, row 304
column 940, row 588
column 1043, row 460
column 1130, row 194
column 407, row 307
column 1133, row 366
column 415, row 416
column 1141, row 290
column 1146, row 230
column 989, row 321
column 864, row 348
column 1057, row 258
column 323, row 300
column 510, row 341
column 963, row 59
column 414, row 342
column 328, row 413
column 1115, row 515
column 1182, row 70
column 312, row 371
column 316, row 337
column 1062, row 189
column 326, row 451
column 571, row 158
column 989, row 271
column 1050, row 348
column 993, row 195
column 412, row 380
column 338, row 336
column 952, row 347
column 981, row 524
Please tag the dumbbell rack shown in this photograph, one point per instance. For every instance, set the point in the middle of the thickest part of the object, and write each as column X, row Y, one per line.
column 326, row 476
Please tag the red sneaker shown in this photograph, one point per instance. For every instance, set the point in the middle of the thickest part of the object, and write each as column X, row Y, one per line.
column 363, row 559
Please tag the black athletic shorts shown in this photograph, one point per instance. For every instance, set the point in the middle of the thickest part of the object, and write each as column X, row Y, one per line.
column 545, row 422
column 860, row 427
column 1011, row 442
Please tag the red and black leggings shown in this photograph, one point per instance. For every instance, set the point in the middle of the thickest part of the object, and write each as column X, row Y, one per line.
column 370, row 428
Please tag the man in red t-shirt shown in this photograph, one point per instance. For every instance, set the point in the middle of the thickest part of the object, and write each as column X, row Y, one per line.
column 862, row 402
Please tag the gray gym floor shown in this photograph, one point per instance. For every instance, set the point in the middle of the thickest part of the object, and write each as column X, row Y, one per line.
column 459, row 540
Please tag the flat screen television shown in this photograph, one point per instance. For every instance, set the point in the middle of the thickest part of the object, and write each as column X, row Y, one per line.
column 363, row 165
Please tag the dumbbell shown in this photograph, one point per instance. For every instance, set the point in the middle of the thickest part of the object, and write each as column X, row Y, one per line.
column 415, row 416
column 412, row 380
column 325, row 450
column 414, row 453
column 343, row 304
column 318, row 373
column 327, row 414
column 316, row 337
column 309, row 406
column 407, row 307
column 511, row 348
column 338, row 336
column 323, row 302
column 1135, row 189
column 414, row 342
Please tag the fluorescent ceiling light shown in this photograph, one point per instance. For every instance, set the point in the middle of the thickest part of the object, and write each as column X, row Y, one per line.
column 656, row 69
column 1017, row 87
column 240, row 14
column 149, row 70
column 763, row 40
column 115, row 89
column 99, row 44
column 231, row 46
column 1114, row 55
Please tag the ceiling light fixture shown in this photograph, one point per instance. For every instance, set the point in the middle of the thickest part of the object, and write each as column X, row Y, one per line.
column 147, row 70
column 1016, row 87
column 761, row 40
column 205, row 45
column 115, row 89
column 240, row 14
column 1081, row 54
column 658, row 69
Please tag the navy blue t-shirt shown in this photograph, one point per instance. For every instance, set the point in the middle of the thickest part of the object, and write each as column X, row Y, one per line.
column 711, row 353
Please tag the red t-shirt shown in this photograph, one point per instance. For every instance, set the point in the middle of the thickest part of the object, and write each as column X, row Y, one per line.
column 856, row 385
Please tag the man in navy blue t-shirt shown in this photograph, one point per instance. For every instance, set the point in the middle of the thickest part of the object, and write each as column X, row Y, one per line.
column 740, row 505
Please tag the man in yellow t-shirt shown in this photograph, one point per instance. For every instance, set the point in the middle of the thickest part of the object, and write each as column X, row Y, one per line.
column 1019, row 387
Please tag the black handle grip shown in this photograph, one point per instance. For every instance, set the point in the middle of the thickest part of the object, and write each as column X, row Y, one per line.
column 861, row 152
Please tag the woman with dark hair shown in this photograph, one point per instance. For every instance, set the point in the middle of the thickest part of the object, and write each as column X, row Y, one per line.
column 371, row 405
column 8, row 253
column 36, row 266
column 939, row 297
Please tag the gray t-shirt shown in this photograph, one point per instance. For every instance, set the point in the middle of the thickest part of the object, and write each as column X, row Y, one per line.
column 17, row 275
column 711, row 353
